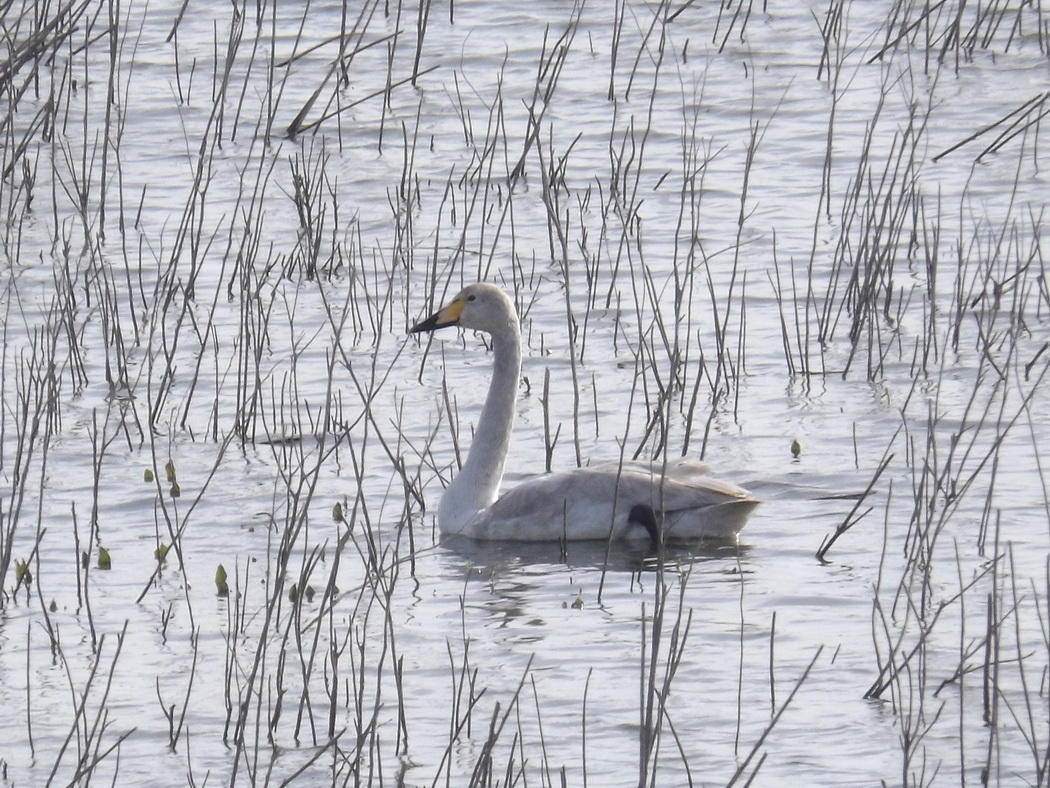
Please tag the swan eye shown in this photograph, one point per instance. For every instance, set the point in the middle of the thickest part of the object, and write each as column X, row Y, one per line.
column 472, row 297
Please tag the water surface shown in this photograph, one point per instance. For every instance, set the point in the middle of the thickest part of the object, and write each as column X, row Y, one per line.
column 726, row 229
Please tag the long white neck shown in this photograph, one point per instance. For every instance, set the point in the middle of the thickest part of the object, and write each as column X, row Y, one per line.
column 477, row 485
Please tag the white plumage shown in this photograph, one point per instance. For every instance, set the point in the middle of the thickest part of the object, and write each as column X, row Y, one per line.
column 678, row 501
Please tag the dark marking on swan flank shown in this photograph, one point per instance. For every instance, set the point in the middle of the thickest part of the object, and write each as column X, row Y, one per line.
column 644, row 515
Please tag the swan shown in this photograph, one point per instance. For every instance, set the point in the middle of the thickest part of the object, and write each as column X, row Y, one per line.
column 673, row 501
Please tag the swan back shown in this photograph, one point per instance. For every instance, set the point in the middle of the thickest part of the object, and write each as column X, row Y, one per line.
column 596, row 503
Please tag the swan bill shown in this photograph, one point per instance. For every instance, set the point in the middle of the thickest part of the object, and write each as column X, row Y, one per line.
column 448, row 315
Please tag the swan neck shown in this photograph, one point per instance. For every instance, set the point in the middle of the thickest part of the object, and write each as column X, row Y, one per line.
column 478, row 483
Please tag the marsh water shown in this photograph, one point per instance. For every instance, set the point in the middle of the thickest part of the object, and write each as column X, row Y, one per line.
column 801, row 241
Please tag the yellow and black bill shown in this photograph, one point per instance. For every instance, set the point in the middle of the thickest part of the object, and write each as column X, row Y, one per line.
column 448, row 315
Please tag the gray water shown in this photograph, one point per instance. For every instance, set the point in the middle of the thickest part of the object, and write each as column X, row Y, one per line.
column 167, row 296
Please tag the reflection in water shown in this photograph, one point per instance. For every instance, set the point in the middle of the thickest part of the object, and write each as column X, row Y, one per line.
column 522, row 590
column 618, row 556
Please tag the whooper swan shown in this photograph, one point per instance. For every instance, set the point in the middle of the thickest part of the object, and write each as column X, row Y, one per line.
column 677, row 501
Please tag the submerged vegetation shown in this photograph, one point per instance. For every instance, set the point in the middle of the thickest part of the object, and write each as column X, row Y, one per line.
column 731, row 230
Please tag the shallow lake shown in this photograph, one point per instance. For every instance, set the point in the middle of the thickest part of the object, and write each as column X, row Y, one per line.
column 803, row 242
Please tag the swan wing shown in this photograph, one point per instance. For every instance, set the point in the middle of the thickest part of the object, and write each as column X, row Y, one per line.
column 595, row 502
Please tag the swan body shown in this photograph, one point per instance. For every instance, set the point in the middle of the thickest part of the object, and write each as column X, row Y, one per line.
column 676, row 501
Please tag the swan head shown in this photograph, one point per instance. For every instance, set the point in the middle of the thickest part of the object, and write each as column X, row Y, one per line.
column 481, row 307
